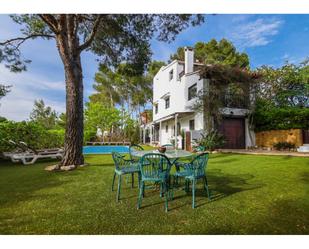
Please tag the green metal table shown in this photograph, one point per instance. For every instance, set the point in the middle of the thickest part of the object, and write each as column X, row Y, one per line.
column 173, row 155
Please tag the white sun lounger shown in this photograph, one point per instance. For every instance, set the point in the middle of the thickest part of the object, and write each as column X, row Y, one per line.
column 31, row 158
column 30, row 155
column 28, row 148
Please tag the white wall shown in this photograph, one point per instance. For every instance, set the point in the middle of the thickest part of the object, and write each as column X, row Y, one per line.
column 184, row 125
column 177, row 89
column 163, row 86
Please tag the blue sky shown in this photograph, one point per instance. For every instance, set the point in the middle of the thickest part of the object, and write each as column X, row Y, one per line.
column 268, row 40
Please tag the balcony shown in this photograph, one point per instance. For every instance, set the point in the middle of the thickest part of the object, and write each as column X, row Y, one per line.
column 235, row 101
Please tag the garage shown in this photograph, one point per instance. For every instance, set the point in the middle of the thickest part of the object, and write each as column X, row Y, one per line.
column 233, row 130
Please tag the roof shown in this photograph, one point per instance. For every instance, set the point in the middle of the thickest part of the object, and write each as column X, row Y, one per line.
column 170, row 116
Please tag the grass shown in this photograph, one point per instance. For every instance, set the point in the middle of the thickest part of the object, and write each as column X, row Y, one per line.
column 251, row 195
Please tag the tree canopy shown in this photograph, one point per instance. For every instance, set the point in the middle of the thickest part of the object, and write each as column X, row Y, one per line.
column 214, row 52
column 286, row 86
column 99, row 116
column 43, row 115
column 4, row 90
column 116, row 86
column 114, row 38
column 282, row 97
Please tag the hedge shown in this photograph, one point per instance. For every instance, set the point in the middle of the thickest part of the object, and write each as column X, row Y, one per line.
column 32, row 133
column 274, row 118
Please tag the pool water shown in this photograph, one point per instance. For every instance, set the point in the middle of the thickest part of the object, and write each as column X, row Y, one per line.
column 105, row 149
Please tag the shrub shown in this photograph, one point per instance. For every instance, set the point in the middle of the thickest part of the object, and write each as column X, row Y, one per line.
column 90, row 135
column 32, row 133
column 212, row 140
column 267, row 117
column 284, row 146
column 2, row 119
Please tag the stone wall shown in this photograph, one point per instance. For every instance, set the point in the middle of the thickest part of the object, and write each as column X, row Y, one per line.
column 269, row 138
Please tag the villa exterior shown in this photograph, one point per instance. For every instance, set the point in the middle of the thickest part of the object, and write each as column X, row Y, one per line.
column 175, row 87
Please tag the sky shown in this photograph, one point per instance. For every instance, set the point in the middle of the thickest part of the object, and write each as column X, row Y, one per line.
column 267, row 39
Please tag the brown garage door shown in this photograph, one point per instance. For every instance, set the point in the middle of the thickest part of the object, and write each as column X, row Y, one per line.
column 233, row 129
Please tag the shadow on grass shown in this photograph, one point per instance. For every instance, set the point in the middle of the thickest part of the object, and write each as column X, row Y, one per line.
column 221, row 185
column 287, row 216
column 23, row 182
column 305, row 177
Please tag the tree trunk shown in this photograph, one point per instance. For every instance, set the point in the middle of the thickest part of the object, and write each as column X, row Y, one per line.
column 73, row 144
column 68, row 47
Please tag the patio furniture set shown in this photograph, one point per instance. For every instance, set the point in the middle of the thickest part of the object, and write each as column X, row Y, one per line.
column 155, row 168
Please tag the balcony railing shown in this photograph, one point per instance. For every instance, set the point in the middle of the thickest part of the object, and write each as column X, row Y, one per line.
column 235, row 101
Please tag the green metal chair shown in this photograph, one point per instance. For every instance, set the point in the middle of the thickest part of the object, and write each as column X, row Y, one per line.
column 131, row 149
column 155, row 168
column 192, row 172
column 123, row 167
column 200, row 148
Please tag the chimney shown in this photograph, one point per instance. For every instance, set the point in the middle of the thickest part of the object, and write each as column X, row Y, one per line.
column 189, row 60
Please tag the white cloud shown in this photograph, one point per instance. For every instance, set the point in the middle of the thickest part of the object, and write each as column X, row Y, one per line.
column 255, row 33
column 27, row 87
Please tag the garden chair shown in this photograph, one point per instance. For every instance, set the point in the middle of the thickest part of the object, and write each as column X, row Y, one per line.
column 200, row 149
column 123, row 167
column 131, row 149
column 193, row 171
column 154, row 168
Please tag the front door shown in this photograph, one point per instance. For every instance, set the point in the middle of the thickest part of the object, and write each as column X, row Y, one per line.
column 233, row 130
column 188, row 141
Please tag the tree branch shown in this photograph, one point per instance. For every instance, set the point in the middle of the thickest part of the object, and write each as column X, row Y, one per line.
column 21, row 40
column 92, row 34
column 51, row 21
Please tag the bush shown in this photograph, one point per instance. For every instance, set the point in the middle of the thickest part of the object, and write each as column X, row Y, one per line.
column 284, row 146
column 267, row 117
column 31, row 133
column 2, row 119
column 212, row 140
column 90, row 135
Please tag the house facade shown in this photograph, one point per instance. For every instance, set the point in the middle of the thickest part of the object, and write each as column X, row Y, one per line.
column 175, row 88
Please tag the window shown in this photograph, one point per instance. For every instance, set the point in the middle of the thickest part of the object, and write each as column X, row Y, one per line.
column 171, row 74
column 191, row 125
column 166, row 128
column 167, row 102
column 156, row 108
column 192, row 91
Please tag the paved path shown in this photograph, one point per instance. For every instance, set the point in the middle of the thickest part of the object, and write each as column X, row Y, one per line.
column 265, row 152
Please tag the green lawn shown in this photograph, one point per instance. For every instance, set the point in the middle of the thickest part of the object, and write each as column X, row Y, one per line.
column 252, row 195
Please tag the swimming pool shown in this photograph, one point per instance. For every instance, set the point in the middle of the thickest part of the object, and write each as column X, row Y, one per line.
column 105, row 149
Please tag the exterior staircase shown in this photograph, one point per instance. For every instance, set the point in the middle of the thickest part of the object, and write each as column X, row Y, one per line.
column 304, row 148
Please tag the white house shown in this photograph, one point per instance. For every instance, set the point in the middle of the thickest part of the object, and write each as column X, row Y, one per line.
column 174, row 92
